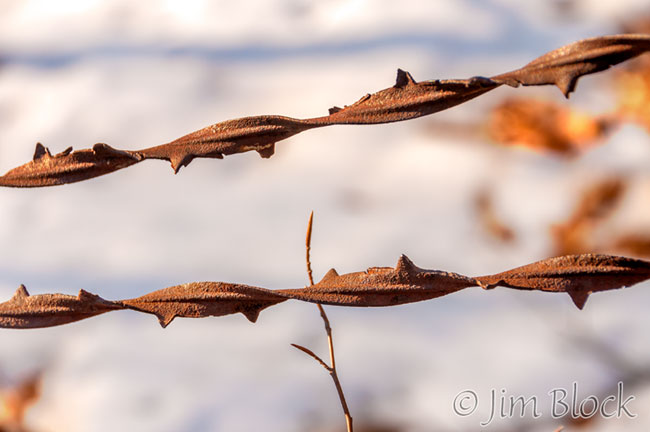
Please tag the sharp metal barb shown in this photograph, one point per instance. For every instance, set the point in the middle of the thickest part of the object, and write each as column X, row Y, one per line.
column 577, row 275
column 405, row 100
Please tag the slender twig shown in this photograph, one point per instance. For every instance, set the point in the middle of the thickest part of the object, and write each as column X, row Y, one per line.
column 331, row 369
column 308, row 250
column 312, row 355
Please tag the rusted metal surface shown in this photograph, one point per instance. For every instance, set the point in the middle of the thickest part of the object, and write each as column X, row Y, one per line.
column 47, row 310
column 68, row 166
column 202, row 299
column 577, row 275
column 382, row 286
column 233, row 136
column 407, row 99
column 564, row 66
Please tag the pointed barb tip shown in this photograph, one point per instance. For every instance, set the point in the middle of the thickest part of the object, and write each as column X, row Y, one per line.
column 405, row 264
column 40, row 151
column 251, row 315
column 403, row 78
column 579, row 298
column 267, row 152
column 20, row 293
column 165, row 320
column 331, row 274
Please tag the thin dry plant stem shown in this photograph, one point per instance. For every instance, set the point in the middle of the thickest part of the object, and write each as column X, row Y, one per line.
column 308, row 249
column 328, row 329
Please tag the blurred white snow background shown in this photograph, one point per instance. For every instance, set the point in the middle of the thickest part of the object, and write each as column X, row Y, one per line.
column 136, row 74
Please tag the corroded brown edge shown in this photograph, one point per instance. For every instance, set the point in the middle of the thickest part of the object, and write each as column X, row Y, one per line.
column 405, row 100
column 577, row 275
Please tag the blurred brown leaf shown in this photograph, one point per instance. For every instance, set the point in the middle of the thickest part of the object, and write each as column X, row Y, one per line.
column 633, row 86
column 544, row 126
column 489, row 220
column 633, row 244
column 633, row 81
column 595, row 205
column 14, row 402
column 637, row 24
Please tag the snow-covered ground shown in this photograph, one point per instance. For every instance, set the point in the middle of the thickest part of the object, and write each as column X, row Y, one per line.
column 136, row 74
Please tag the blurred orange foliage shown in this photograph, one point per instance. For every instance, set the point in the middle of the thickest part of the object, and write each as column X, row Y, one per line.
column 596, row 204
column 545, row 126
column 14, row 402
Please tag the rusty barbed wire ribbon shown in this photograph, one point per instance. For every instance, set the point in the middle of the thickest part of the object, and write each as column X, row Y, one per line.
column 407, row 99
column 577, row 275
